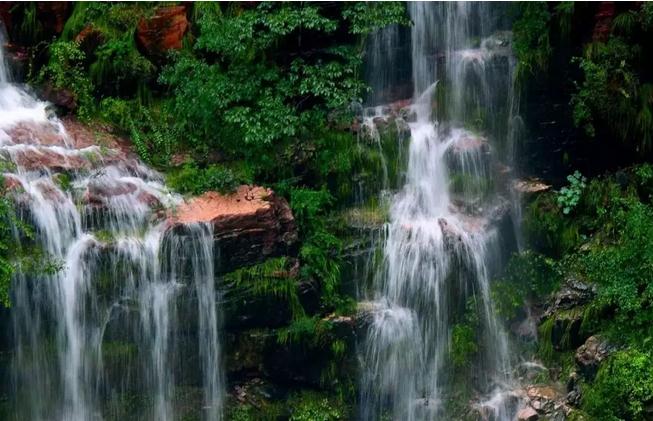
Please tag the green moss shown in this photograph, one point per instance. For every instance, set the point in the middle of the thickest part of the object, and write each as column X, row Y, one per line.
column 623, row 388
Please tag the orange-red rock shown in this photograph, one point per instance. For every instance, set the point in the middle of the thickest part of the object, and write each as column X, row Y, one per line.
column 162, row 32
column 249, row 225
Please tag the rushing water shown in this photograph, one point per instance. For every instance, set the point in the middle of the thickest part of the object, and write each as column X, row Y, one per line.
column 441, row 243
column 97, row 329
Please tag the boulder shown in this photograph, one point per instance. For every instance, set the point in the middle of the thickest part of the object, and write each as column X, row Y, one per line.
column 543, row 402
column 61, row 97
column 527, row 414
column 162, row 32
column 249, row 225
column 591, row 354
column 574, row 293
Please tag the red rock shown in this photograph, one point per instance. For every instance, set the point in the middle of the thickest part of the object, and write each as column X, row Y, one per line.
column 53, row 15
column 61, row 97
column 5, row 14
column 162, row 32
column 249, row 225
column 89, row 39
column 527, row 414
column 603, row 21
column 11, row 183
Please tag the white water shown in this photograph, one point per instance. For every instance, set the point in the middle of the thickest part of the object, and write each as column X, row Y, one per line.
column 440, row 245
column 122, row 273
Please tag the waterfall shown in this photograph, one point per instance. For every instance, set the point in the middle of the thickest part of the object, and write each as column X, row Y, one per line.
column 441, row 242
column 101, row 323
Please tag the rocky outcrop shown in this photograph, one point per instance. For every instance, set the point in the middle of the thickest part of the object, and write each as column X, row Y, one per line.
column 565, row 312
column 530, row 187
column 589, row 357
column 591, row 354
column 249, row 225
column 162, row 32
column 53, row 15
column 543, row 402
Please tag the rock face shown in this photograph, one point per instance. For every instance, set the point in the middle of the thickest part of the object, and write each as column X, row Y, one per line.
column 590, row 355
column 249, row 225
column 162, row 32
column 543, row 403
column 566, row 310
column 603, row 21
column 53, row 15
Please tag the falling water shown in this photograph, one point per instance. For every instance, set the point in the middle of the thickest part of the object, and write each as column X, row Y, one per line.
column 117, row 275
column 442, row 240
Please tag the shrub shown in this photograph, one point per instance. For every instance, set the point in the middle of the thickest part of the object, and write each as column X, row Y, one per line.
column 195, row 180
column 623, row 388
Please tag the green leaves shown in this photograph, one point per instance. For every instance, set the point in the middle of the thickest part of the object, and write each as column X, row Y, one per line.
column 569, row 196
column 623, row 387
column 366, row 17
column 531, row 38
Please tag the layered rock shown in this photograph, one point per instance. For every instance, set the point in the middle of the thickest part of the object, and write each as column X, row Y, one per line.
column 162, row 32
column 249, row 225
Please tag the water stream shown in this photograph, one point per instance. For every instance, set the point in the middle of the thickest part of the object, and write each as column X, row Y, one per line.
column 118, row 287
column 442, row 241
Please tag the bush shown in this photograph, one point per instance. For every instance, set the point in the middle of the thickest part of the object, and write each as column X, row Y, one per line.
column 309, row 406
column 623, row 388
column 65, row 70
column 194, row 180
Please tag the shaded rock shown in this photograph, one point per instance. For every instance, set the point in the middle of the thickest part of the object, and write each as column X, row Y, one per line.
column 573, row 293
column 603, row 21
column 566, row 308
column 89, row 39
column 61, row 97
column 249, row 225
column 162, row 32
column 5, row 14
column 591, row 354
column 17, row 59
column 53, row 15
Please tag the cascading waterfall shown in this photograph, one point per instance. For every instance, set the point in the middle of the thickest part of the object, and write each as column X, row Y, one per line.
column 116, row 280
column 441, row 244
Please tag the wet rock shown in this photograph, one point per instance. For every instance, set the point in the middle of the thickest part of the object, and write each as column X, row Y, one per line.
column 566, row 309
column 591, row 354
column 544, row 402
column 527, row 414
column 61, row 97
column 250, row 225
column 17, row 59
column 162, row 32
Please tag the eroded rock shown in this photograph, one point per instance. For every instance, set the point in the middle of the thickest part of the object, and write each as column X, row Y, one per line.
column 591, row 354
column 162, row 32
column 249, row 225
